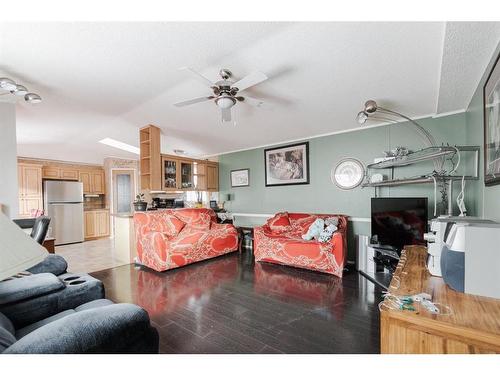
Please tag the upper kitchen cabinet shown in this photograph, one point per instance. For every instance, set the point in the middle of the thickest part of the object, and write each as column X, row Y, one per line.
column 170, row 173
column 162, row 172
column 59, row 173
column 150, row 158
column 30, row 188
column 93, row 181
column 212, row 176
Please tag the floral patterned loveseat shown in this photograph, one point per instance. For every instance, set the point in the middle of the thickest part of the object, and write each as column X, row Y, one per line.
column 169, row 239
column 280, row 241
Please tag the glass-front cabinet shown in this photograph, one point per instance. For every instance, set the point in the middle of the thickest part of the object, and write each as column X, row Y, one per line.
column 186, row 175
column 170, row 174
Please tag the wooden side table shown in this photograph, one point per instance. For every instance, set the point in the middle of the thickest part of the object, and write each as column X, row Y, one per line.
column 49, row 244
column 242, row 231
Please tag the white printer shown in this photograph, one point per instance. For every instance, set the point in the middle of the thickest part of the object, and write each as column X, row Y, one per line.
column 439, row 231
column 470, row 258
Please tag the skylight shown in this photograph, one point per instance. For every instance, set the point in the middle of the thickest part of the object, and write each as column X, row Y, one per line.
column 120, row 145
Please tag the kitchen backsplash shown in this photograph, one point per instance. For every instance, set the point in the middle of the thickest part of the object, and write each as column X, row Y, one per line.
column 92, row 203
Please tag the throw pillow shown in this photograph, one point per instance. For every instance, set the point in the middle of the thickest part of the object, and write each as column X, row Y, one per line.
column 173, row 226
column 280, row 223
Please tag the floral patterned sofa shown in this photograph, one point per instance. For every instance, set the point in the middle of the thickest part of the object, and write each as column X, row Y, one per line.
column 169, row 239
column 279, row 241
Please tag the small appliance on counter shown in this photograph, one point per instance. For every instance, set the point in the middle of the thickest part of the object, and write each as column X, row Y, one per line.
column 163, row 203
column 470, row 258
column 437, row 236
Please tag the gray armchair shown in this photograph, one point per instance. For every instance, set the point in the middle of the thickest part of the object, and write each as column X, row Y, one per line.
column 95, row 327
column 29, row 299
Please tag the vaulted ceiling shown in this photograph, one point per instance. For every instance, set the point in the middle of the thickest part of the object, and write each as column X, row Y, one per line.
column 102, row 80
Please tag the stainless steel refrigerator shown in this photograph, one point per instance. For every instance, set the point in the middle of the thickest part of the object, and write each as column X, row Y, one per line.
column 63, row 203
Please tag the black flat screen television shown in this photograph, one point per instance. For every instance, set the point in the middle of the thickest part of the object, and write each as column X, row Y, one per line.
column 398, row 222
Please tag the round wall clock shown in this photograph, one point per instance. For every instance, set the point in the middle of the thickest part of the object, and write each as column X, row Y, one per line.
column 348, row 173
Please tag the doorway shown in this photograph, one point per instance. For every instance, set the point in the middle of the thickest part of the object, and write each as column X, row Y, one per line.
column 123, row 181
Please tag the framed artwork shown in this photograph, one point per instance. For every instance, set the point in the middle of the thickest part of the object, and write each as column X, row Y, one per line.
column 240, row 177
column 287, row 165
column 491, row 111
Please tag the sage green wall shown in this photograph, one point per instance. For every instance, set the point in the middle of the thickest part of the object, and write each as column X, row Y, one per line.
column 321, row 195
column 488, row 197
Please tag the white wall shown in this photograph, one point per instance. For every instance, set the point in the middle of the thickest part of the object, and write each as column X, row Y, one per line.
column 8, row 160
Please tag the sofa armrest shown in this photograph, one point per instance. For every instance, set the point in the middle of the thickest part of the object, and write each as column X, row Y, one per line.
column 119, row 328
column 20, row 289
column 53, row 263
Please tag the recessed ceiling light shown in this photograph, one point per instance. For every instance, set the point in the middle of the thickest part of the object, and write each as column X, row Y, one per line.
column 120, row 145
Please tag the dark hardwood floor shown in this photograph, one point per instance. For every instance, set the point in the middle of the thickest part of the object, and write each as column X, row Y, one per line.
column 232, row 305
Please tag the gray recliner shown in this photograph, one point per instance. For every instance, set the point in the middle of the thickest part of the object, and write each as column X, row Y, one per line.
column 99, row 326
column 28, row 299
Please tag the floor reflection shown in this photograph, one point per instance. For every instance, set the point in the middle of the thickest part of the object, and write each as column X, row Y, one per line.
column 231, row 304
column 287, row 283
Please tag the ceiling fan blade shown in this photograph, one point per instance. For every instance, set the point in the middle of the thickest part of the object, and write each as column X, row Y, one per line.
column 198, row 76
column 193, row 101
column 249, row 100
column 250, row 80
column 226, row 114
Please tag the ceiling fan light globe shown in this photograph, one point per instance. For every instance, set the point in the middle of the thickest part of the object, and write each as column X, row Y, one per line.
column 7, row 84
column 225, row 102
column 32, row 98
column 361, row 117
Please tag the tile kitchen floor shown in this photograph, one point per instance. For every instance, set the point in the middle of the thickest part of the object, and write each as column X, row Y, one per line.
column 90, row 256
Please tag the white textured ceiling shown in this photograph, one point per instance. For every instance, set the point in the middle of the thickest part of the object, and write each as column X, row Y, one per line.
column 108, row 79
column 467, row 50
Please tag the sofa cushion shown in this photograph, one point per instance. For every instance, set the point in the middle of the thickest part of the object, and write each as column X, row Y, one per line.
column 5, row 323
column 201, row 222
column 6, row 339
column 27, row 287
column 28, row 329
column 280, row 223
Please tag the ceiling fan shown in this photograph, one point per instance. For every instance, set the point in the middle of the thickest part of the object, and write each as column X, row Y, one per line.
column 226, row 91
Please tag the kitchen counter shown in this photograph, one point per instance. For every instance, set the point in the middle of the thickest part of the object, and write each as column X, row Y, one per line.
column 124, row 215
column 96, row 209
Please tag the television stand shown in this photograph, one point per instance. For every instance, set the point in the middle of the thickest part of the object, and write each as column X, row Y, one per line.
column 380, row 264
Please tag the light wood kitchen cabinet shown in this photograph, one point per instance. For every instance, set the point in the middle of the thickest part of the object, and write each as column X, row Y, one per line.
column 69, row 174
column 102, row 223
column 85, row 179
column 170, row 173
column 59, row 173
column 180, row 173
column 97, row 179
column 30, row 188
column 93, row 182
column 96, row 224
column 89, row 224
column 212, row 177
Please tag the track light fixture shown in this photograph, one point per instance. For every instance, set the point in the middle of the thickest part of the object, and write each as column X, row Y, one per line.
column 11, row 87
column 372, row 111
